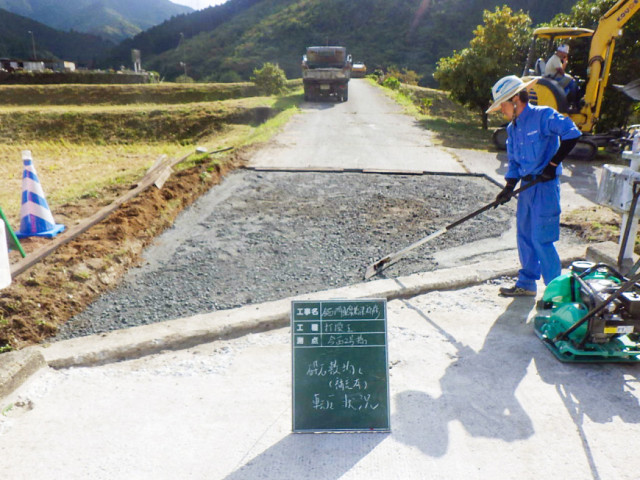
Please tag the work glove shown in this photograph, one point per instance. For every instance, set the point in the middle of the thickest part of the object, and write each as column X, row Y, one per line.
column 507, row 192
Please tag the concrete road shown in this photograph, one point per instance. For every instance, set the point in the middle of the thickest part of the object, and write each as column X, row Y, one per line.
column 369, row 132
column 474, row 394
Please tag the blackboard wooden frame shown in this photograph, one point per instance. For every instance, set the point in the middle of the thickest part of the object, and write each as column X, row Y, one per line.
column 340, row 368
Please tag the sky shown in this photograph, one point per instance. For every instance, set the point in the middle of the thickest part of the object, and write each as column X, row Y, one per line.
column 198, row 4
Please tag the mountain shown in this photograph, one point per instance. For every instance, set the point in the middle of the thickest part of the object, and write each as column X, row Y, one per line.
column 16, row 41
column 226, row 42
column 114, row 20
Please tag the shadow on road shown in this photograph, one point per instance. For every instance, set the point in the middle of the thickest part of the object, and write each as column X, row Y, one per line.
column 318, row 105
column 600, row 392
column 582, row 176
column 490, row 411
column 298, row 456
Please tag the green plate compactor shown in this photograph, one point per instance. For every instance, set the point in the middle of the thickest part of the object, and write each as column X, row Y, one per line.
column 591, row 314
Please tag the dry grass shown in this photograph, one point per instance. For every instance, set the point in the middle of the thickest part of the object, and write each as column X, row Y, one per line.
column 86, row 162
column 162, row 93
column 595, row 224
column 89, row 148
column 68, row 172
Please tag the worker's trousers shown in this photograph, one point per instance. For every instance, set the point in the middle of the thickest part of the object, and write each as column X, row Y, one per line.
column 538, row 227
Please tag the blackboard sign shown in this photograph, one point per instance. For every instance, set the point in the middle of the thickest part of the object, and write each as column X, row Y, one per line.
column 340, row 370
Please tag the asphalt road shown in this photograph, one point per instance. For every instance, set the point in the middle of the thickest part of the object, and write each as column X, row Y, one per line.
column 368, row 132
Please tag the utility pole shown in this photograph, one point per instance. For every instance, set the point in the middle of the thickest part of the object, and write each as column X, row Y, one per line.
column 181, row 47
column 33, row 45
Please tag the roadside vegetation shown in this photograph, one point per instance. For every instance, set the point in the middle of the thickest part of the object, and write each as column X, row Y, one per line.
column 500, row 45
column 452, row 124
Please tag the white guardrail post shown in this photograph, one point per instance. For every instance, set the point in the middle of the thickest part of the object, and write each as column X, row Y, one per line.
column 5, row 267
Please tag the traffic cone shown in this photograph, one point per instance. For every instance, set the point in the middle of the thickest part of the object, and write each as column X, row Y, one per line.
column 5, row 267
column 36, row 219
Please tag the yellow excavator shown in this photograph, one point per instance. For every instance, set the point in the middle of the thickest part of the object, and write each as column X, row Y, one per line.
column 545, row 91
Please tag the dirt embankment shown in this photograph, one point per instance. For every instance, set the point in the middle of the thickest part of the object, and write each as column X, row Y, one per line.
column 63, row 284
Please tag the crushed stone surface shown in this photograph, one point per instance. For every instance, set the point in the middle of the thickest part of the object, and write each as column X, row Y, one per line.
column 263, row 236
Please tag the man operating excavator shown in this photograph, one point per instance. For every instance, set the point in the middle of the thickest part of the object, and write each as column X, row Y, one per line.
column 556, row 69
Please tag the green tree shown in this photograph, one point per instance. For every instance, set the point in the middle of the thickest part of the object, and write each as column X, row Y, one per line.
column 270, row 79
column 405, row 75
column 616, row 107
column 184, row 79
column 498, row 49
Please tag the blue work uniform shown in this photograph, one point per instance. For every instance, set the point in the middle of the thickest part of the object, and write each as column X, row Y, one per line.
column 533, row 139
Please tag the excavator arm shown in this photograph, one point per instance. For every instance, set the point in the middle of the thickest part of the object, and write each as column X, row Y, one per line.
column 601, row 54
column 548, row 92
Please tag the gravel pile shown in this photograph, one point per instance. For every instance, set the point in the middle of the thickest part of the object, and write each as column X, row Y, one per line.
column 263, row 236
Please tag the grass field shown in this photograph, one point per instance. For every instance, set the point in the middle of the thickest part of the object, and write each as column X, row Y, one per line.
column 161, row 93
column 91, row 145
column 80, row 149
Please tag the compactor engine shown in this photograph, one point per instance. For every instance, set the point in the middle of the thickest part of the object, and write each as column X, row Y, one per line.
column 592, row 314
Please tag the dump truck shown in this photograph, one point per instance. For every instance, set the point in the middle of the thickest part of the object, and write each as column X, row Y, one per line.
column 359, row 70
column 326, row 72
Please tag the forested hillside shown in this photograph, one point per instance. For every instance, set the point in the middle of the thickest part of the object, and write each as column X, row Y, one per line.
column 225, row 43
column 17, row 42
column 114, row 20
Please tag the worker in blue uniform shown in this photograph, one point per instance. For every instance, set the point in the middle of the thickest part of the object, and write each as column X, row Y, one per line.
column 538, row 139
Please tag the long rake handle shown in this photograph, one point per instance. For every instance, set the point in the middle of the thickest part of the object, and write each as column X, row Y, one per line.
column 389, row 260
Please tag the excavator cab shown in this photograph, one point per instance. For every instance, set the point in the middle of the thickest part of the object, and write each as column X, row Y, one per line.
column 585, row 109
column 547, row 90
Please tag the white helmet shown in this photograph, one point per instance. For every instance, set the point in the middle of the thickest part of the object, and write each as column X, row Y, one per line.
column 505, row 88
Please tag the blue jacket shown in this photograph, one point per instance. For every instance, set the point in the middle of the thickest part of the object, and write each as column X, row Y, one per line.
column 533, row 139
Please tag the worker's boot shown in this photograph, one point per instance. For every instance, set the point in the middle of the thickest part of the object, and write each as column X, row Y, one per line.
column 516, row 292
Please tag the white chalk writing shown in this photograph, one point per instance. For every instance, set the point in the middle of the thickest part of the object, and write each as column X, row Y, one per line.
column 346, row 340
column 351, row 311
column 320, row 403
column 359, row 402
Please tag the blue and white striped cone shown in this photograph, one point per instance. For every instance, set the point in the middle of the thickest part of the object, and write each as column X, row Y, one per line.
column 36, row 219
